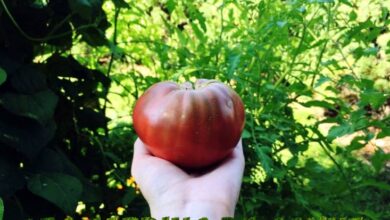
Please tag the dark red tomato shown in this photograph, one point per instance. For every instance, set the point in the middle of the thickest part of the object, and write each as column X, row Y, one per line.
column 190, row 127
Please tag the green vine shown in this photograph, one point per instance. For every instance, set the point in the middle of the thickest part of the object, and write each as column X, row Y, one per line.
column 50, row 36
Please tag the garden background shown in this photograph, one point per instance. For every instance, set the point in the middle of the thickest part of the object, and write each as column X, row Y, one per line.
column 314, row 76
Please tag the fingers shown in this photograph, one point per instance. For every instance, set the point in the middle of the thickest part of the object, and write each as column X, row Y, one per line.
column 238, row 151
column 145, row 165
column 233, row 166
column 140, row 149
column 140, row 152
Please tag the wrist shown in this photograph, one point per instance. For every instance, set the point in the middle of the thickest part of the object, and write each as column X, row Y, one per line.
column 193, row 209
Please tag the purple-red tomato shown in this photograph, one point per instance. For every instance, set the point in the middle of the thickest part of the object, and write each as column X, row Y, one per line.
column 190, row 127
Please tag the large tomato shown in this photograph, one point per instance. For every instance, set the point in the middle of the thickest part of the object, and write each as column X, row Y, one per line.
column 190, row 127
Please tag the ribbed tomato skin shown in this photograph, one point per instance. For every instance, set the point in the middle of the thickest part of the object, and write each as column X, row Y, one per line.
column 192, row 128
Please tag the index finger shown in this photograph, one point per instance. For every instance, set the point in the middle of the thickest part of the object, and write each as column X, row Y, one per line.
column 140, row 149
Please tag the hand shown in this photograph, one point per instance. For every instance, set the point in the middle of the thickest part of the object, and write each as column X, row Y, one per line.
column 172, row 192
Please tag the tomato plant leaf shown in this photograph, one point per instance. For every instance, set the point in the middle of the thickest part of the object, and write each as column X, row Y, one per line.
column 339, row 131
column 379, row 159
column 384, row 133
column 321, row 80
column 357, row 143
column 234, row 60
column 374, row 98
column 353, row 15
column 198, row 33
column 62, row 190
column 316, row 103
column 129, row 196
column 373, row 183
column 171, row 5
column 264, row 158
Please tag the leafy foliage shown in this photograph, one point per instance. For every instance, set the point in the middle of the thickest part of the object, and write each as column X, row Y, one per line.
column 310, row 73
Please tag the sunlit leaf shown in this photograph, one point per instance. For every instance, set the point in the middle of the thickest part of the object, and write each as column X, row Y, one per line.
column 339, row 131
column 233, row 62
column 373, row 98
column 352, row 16
column 321, row 80
column 263, row 153
column 171, row 5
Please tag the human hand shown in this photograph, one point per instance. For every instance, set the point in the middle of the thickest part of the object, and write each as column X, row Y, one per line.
column 170, row 191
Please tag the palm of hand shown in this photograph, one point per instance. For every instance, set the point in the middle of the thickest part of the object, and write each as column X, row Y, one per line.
column 163, row 183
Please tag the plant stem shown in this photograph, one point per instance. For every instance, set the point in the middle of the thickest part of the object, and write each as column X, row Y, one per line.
column 108, row 74
column 49, row 36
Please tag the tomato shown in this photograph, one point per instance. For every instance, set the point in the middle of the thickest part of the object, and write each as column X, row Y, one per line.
column 190, row 127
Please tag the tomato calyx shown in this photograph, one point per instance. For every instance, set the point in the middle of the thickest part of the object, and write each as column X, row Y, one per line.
column 186, row 86
column 200, row 83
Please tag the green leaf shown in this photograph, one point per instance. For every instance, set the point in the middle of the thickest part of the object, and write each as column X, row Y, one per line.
column 366, row 52
column 198, row 33
column 60, row 189
column 39, row 106
column 321, row 81
column 316, row 103
column 357, row 143
column 321, row 1
column 11, row 178
column 171, row 5
column 246, row 134
column 384, row 133
column 27, row 137
column 121, row 4
column 28, row 80
column 263, row 153
column 370, row 214
column 1, row 209
column 379, row 159
column 233, row 61
column 339, row 131
column 373, row 183
column 94, row 36
column 129, row 196
column 292, row 162
column 3, row 76
column 375, row 98
column 347, row 2
column 348, row 79
column 352, row 15
column 81, row 7
column 316, row 214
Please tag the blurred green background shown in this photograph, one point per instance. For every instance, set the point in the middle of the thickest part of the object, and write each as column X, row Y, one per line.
column 314, row 76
